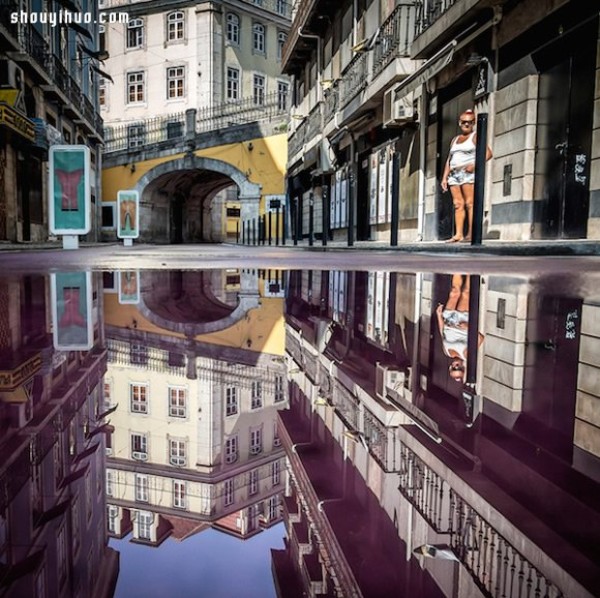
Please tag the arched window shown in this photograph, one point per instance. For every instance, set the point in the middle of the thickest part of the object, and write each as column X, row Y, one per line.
column 258, row 34
column 175, row 22
column 233, row 28
column 281, row 38
column 135, row 33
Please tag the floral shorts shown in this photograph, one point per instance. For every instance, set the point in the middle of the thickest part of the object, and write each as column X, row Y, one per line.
column 459, row 176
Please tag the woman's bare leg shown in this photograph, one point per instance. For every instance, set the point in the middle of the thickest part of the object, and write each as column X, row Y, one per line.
column 455, row 292
column 463, row 301
column 458, row 201
column 468, row 191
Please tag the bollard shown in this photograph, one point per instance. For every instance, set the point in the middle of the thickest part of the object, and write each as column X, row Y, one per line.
column 395, row 199
column 270, row 226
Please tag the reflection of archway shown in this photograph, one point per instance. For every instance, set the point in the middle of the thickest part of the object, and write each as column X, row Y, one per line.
column 192, row 303
column 177, row 197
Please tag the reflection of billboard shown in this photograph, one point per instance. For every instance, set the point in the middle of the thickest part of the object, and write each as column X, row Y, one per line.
column 129, row 286
column 69, row 193
column 71, row 297
column 128, row 214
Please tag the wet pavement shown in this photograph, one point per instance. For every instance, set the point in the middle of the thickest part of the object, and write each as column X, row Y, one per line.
column 322, row 424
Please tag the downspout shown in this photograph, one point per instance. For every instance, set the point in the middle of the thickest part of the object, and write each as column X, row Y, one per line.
column 319, row 68
column 422, row 164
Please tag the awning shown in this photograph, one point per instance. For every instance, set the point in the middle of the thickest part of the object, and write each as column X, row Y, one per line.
column 427, row 70
column 102, row 73
column 82, row 30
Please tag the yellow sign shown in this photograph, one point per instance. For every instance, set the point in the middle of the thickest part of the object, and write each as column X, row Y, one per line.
column 10, row 379
column 9, row 96
column 12, row 119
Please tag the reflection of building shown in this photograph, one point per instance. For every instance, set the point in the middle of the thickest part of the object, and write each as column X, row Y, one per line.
column 52, row 508
column 195, row 441
column 387, row 412
column 385, row 82
column 48, row 95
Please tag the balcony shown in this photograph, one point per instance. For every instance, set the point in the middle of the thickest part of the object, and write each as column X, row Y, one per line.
column 439, row 21
column 33, row 49
column 313, row 16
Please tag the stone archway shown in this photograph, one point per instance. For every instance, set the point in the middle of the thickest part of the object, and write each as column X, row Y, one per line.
column 249, row 192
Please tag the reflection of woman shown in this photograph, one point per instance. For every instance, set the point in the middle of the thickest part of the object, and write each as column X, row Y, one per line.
column 453, row 322
column 127, row 215
column 459, row 175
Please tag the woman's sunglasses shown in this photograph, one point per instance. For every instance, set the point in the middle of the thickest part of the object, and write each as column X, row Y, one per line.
column 466, row 122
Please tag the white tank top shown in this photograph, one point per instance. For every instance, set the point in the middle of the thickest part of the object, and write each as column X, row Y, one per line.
column 463, row 153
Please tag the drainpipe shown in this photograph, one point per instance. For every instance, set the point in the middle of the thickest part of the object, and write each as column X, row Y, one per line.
column 318, row 38
column 422, row 164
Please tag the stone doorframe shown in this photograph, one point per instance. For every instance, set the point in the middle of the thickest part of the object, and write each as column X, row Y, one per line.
column 249, row 193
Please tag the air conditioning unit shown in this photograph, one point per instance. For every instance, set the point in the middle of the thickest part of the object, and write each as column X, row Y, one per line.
column 20, row 414
column 387, row 377
column 139, row 456
column 398, row 112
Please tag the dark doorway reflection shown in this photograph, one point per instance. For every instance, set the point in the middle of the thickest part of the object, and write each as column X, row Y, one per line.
column 320, row 433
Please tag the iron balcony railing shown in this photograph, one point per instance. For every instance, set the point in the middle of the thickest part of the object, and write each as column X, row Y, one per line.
column 138, row 134
column 33, row 44
column 429, row 11
column 150, row 358
column 239, row 112
column 394, row 38
column 330, row 103
column 496, row 566
column 298, row 139
column 7, row 7
column 355, row 78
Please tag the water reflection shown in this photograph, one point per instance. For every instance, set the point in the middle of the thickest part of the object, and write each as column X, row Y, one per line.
column 405, row 454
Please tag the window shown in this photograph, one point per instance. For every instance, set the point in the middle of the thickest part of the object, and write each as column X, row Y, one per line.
column 175, row 82
column 138, row 396
column 136, row 136
column 253, row 482
column 282, row 104
column 102, row 91
column 179, row 494
column 259, row 90
column 177, row 402
column 61, row 554
column 231, row 449
column 141, row 488
column 110, row 480
column 112, row 513
column 135, row 33
column 144, row 521
column 233, row 83
column 231, row 401
column 258, row 2
column 282, row 7
column 233, row 28
column 229, row 495
column 279, row 394
column 276, row 439
column 139, row 447
column 138, row 354
column 258, row 38
column 102, row 39
column 255, row 441
column 275, row 473
column 256, row 402
column 177, row 452
column 136, row 87
column 281, row 37
column 175, row 22
column 176, row 360
column 273, row 508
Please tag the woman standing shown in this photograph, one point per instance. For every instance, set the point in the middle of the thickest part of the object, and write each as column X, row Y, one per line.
column 459, row 175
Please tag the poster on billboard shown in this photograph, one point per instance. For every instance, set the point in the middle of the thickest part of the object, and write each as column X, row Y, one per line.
column 128, row 214
column 373, row 183
column 129, row 287
column 390, row 181
column 71, row 303
column 69, row 189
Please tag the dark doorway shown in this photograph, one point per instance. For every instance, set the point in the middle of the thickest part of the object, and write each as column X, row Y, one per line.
column 550, row 377
column 362, row 199
column 177, row 220
column 23, row 198
column 456, row 100
column 564, row 133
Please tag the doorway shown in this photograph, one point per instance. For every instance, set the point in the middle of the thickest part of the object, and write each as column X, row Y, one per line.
column 564, row 132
